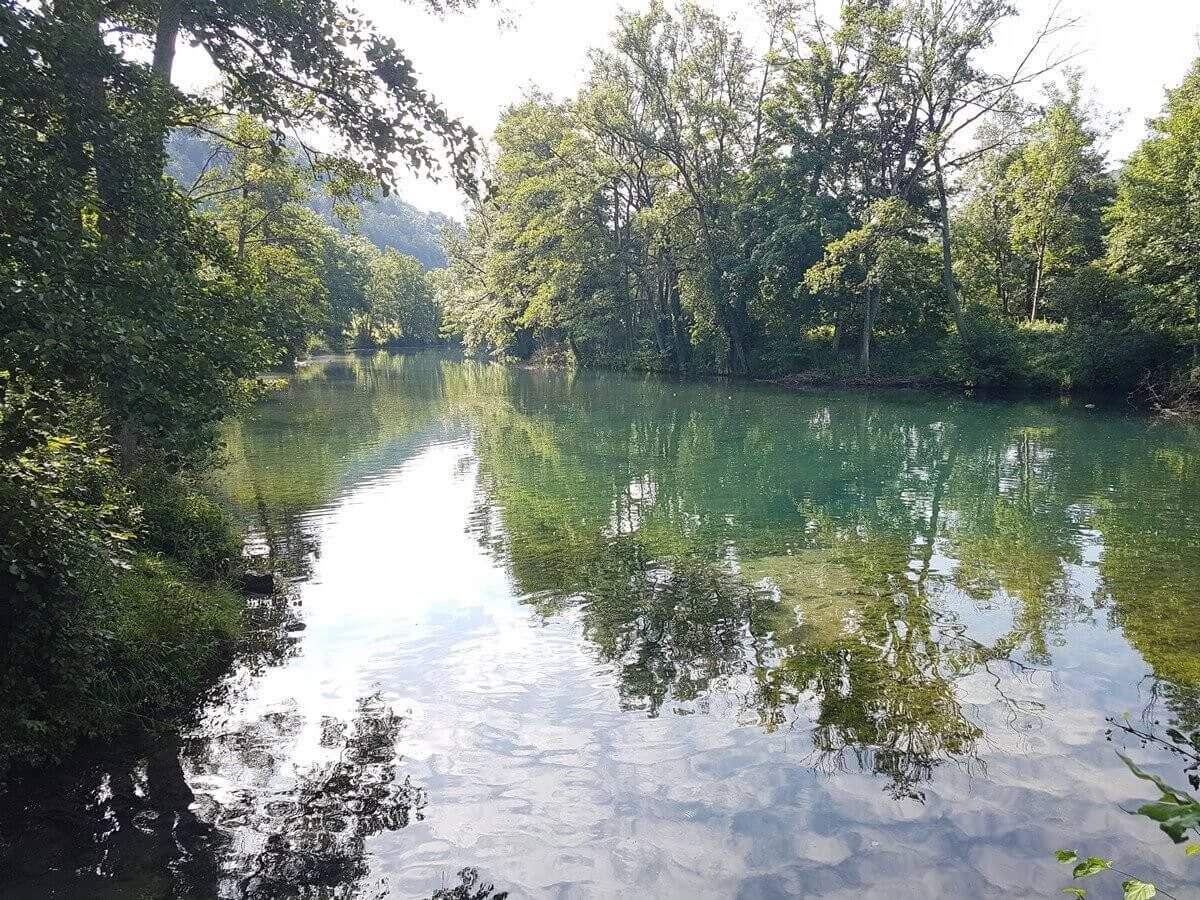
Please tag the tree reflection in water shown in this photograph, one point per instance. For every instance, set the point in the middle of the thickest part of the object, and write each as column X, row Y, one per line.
column 471, row 886
column 129, row 824
column 104, row 819
column 309, row 839
column 874, row 674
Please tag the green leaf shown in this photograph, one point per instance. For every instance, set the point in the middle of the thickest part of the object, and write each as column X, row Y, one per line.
column 1090, row 867
column 1167, row 791
column 1138, row 890
column 1066, row 856
column 1176, row 811
column 1192, row 849
column 1075, row 892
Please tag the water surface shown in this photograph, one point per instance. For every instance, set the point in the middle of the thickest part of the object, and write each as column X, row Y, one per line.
column 598, row 635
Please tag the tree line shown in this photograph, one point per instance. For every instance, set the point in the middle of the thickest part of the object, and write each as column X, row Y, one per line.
column 866, row 197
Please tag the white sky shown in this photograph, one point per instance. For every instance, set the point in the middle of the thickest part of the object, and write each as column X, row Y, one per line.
column 1131, row 51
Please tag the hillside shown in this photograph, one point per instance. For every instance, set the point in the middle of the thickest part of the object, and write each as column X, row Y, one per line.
column 388, row 222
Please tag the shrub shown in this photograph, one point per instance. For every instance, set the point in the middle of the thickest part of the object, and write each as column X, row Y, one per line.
column 1118, row 361
column 186, row 525
column 88, row 631
column 991, row 353
column 66, row 519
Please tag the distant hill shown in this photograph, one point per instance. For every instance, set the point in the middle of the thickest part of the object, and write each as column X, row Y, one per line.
column 388, row 222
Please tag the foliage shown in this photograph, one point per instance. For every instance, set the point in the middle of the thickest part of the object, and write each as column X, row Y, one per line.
column 66, row 520
column 1034, row 217
column 187, row 526
column 400, row 305
column 137, row 312
column 1155, row 230
column 308, row 64
column 385, row 220
column 1176, row 811
column 118, row 291
column 311, row 279
column 696, row 207
column 92, row 632
column 877, row 267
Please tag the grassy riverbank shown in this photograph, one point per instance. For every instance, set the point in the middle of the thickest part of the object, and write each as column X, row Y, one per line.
column 116, row 597
column 139, row 650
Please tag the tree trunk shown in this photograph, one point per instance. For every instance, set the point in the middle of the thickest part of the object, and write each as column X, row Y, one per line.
column 839, row 326
column 864, row 347
column 658, row 308
column 947, row 254
column 683, row 345
column 165, row 38
column 127, row 444
column 89, row 121
column 738, row 362
column 1030, row 276
column 1037, row 282
column 1001, row 290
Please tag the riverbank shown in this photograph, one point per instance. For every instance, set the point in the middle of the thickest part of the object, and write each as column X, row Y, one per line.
column 135, row 638
column 1000, row 360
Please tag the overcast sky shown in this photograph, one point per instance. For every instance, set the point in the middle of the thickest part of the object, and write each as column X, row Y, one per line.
column 1131, row 51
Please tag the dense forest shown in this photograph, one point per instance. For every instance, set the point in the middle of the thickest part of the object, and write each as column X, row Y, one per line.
column 141, row 301
column 866, row 199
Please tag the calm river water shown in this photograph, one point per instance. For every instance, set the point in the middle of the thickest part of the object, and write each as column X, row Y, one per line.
column 598, row 635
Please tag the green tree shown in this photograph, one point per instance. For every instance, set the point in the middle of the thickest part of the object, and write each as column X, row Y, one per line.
column 300, row 64
column 692, row 75
column 1155, row 220
column 547, row 235
column 881, row 262
column 1035, row 215
column 1059, row 187
column 400, row 304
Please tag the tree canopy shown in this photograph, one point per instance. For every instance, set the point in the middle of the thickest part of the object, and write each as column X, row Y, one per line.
column 698, row 206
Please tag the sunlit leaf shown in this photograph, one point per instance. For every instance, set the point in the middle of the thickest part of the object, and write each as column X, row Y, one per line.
column 1138, row 890
column 1090, row 866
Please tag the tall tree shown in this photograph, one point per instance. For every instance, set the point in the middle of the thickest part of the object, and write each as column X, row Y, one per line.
column 1059, row 186
column 943, row 43
column 1155, row 221
column 300, row 64
column 694, row 77
column 877, row 263
column 1036, row 207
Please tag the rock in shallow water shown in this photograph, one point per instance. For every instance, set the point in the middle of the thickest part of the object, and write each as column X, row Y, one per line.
column 257, row 583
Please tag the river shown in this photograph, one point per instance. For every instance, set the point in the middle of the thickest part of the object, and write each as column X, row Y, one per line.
column 598, row 635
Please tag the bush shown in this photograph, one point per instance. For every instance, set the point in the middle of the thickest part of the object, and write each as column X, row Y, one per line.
column 169, row 636
column 991, row 353
column 1118, row 362
column 182, row 523
column 89, row 632
column 66, row 520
